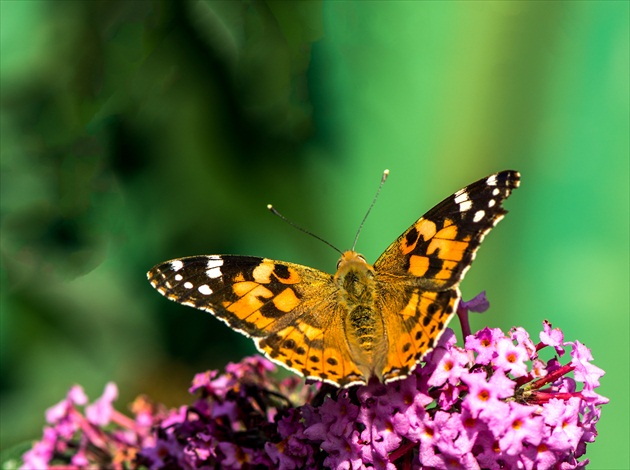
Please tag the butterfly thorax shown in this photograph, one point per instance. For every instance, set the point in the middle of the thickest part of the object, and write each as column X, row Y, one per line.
column 363, row 323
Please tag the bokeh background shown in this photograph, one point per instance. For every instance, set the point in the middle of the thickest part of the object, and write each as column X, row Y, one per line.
column 136, row 132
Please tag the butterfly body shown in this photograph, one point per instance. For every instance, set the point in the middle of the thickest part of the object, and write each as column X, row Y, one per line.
column 362, row 321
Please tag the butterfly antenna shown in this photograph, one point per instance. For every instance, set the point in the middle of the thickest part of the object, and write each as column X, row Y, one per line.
column 378, row 191
column 294, row 225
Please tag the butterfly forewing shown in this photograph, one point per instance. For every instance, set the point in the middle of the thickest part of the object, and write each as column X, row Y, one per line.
column 441, row 245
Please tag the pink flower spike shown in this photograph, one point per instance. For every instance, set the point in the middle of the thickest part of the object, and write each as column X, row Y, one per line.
column 483, row 407
column 585, row 371
column 77, row 396
column 552, row 337
column 100, row 412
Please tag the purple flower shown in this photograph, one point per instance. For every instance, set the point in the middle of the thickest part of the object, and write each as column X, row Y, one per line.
column 478, row 304
column 494, row 404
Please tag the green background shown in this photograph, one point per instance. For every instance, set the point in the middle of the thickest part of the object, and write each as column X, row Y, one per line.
column 136, row 132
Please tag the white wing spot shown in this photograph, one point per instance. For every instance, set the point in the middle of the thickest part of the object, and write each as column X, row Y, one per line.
column 214, row 262
column 178, row 277
column 205, row 289
column 464, row 206
column 495, row 192
column 492, row 180
column 188, row 285
column 491, row 203
column 461, row 196
column 177, row 264
column 213, row 273
column 479, row 215
column 214, row 265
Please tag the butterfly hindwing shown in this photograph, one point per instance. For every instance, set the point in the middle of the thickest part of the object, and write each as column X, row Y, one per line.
column 414, row 323
column 288, row 309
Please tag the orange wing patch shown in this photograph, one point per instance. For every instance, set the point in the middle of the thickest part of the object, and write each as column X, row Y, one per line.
column 286, row 300
column 425, row 230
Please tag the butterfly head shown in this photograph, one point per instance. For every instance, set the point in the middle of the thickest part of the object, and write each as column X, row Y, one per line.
column 354, row 276
column 351, row 260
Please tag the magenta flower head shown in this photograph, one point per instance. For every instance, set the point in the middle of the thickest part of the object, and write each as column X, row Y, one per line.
column 492, row 404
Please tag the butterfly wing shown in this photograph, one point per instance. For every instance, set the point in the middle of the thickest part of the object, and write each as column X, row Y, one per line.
column 419, row 274
column 289, row 310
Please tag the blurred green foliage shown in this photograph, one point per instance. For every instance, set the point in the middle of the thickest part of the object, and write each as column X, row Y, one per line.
column 135, row 132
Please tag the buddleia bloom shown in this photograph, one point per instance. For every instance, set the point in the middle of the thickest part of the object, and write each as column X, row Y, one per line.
column 494, row 403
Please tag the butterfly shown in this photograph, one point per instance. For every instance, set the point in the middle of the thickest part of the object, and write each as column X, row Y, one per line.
column 364, row 320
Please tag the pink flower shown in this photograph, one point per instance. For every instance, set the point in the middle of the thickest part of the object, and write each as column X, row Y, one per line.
column 484, row 344
column 485, row 395
column 552, row 337
column 494, row 404
column 584, row 371
column 451, row 365
column 100, row 412
column 510, row 358
column 520, row 427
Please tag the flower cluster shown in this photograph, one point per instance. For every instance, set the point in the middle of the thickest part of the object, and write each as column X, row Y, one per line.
column 479, row 407
column 98, row 435
column 493, row 404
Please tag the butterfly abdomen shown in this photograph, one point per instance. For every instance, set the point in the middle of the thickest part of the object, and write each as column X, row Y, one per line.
column 365, row 327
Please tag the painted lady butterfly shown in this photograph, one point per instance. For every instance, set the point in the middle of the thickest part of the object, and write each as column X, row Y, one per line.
column 364, row 320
